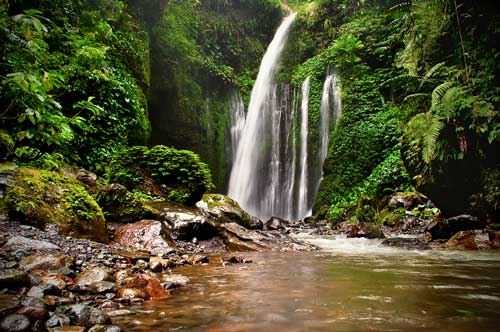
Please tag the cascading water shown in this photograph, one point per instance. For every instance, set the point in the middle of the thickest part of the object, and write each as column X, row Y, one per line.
column 270, row 174
column 253, row 182
column 237, row 118
column 330, row 112
column 303, row 204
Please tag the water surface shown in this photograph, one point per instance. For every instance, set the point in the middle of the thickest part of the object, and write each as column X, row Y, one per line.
column 351, row 285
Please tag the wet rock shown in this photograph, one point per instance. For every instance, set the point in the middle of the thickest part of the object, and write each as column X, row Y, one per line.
column 56, row 320
column 44, row 262
column 8, row 304
column 72, row 328
column 236, row 260
column 361, row 229
column 56, row 280
column 120, row 313
column 407, row 243
column 130, row 293
column 29, row 301
column 87, row 177
column 149, row 285
column 407, row 200
column 150, row 235
column 188, row 223
column 15, row 323
column 121, row 276
column 158, row 264
column 13, row 279
column 110, row 305
column 101, row 287
column 84, row 315
column 197, row 259
column 33, row 313
column 42, row 290
column 224, row 209
column 104, row 328
column 24, row 243
column 172, row 281
column 92, row 275
column 275, row 223
column 474, row 240
column 440, row 229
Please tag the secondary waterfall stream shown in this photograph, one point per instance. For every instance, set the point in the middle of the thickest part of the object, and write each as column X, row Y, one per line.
column 271, row 173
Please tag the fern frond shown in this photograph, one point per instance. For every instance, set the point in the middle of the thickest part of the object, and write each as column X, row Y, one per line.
column 438, row 93
column 6, row 140
column 447, row 106
column 431, row 73
column 422, row 133
column 417, row 102
column 398, row 81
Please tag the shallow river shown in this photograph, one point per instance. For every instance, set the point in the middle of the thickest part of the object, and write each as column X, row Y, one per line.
column 351, row 285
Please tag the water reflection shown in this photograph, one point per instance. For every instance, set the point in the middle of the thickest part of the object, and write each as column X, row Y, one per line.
column 369, row 289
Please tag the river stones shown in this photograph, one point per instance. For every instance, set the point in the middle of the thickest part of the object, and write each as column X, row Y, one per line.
column 440, row 229
column 15, row 323
column 92, row 275
column 13, row 278
column 21, row 242
column 150, row 235
column 474, row 239
column 44, row 262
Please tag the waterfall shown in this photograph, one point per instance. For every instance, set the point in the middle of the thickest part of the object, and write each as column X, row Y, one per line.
column 237, row 118
column 303, row 203
column 330, row 111
column 257, row 180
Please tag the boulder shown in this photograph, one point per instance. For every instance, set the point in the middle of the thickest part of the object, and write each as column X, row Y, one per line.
column 21, row 242
column 444, row 229
column 172, row 281
column 474, row 239
column 120, row 205
column 84, row 315
column 42, row 197
column 56, row 320
column 224, row 209
column 361, row 229
column 407, row 200
column 13, row 279
column 92, row 275
column 130, row 293
column 15, row 323
column 148, row 285
column 150, row 235
column 33, row 313
column 102, row 287
column 8, row 304
column 275, row 224
column 407, row 243
column 188, row 223
column 44, row 262
column 86, row 177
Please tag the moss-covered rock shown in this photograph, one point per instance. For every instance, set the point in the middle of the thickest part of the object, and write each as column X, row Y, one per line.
column 120, row 205
column 178, row 175
column 224, row 209
column 41, row 197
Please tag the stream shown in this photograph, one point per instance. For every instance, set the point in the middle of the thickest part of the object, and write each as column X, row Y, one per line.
column 349, row 285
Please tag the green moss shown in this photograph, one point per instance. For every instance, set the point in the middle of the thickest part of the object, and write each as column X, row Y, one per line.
column 120, row 205
column 179, row 175
column 43, row 197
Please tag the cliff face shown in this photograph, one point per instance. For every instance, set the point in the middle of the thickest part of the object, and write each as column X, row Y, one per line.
column 200, row 53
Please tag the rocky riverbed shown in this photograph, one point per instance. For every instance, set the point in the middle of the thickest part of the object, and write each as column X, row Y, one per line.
column 53, row 282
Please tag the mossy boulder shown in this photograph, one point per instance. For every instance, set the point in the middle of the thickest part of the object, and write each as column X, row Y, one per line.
column 120, row 205
column 178, row 175
column 41, row 197
column 224, row 209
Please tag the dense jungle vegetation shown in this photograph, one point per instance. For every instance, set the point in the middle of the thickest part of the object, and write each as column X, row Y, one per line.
column 98, row 85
